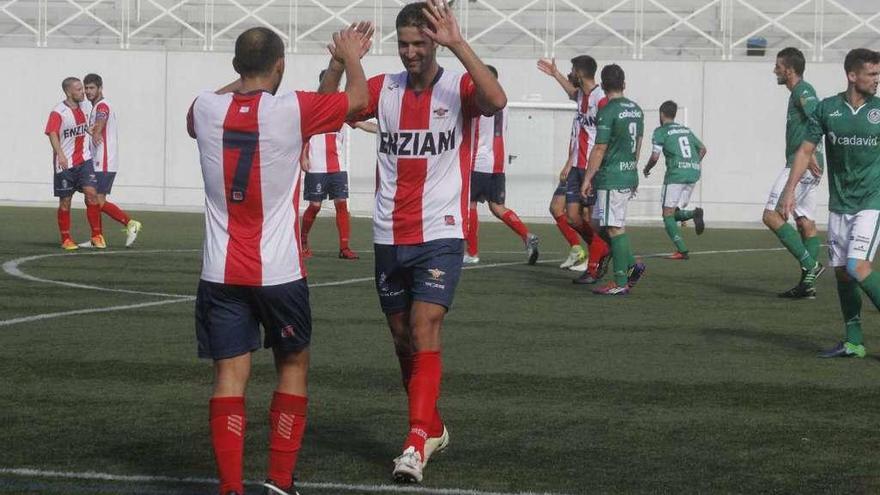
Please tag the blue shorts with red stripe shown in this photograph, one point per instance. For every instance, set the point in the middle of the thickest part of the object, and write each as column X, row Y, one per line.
column 74, row 179
column 427, row 272
column 228, row 318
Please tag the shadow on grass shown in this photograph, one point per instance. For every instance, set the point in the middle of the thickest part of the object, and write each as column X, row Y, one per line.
column 787, row 341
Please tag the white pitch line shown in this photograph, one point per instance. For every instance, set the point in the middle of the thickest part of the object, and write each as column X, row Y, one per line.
column 70, row 475
column 46, row 316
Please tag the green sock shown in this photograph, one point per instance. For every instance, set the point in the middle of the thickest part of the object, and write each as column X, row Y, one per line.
column 682, row 215
column 850, row 297
column 812, row 246
column 792, row 241
column 871, row 286
column 620, row 256
column 674, row 233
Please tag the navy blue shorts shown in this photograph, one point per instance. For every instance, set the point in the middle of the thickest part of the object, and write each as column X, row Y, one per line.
column 74, row 179
column 486, row 186
column 426, row 272
column 573, row 188
column 105, row 181
column 228, row 318
column 319, row 186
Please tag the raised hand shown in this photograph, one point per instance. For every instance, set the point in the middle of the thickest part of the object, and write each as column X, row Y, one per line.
column 361, row 32
column 443, row 28
column 548, row 66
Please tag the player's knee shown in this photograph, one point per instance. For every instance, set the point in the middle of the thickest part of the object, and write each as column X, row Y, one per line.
column 497, row 210
column 772, row 219
column 806, row 227
column 858, row 269
column 668, row 212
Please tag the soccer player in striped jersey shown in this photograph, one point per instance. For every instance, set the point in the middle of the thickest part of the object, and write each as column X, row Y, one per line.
column 590, row 98
column 105, row 153
column 849, row 122
column 67, row 129
column 488, row 184
column 424, row 150
column 250, row 140
column 804, row 242
column 684, row 153
column 614, row 167
column 327, row 177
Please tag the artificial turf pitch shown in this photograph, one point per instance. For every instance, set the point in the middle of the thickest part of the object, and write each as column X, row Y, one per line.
column 701, row 381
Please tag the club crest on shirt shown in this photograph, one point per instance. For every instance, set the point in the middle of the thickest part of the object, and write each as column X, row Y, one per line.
column 440, row 112
column 874, row 116
column 449, row 220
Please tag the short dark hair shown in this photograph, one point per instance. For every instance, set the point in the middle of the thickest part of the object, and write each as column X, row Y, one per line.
column 793, row 59
column 613, row 78
column 321, row 75
column 858, row 57
column 94, row 79
column 411, row 15
column 256, row 51
column 65, row 84
column 493, row 70
column 669, row 108
column 585, row 64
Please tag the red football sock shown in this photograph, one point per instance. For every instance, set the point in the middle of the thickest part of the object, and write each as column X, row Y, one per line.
column 570, row 235
column 598, row 249
column 512, row 220
column 406, row 366
column 308, row 219
column 287, row 419
column 228, row 423
column 473, row 243
column 424, row 389
column 64, row 224
column 115, row 213
column 586, row 232
column 93, row 213
column 343, row 223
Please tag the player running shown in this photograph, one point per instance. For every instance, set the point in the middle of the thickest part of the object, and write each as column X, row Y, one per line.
column 105, row 154
column 581, row 87
column 488, row 184
column 684, row 153
column 850, row 124
column 327, row 177
column 67, row 129
column 614, row 168
column 789, row 70
column 424, row 159
column 250, row 140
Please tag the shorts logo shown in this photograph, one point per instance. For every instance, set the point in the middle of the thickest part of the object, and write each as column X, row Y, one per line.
column 436, row 274
column 440, row 112
column 288, row 332
column 237, row 196
column 63, row 183
column 874, row 116
column 318, row 187
column 449, row 220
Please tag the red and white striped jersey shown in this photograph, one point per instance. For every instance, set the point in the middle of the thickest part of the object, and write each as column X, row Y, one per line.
column 249, row 148
column 490, row 153
column 105, row 155
column 71, row 125
column 583, row 128
column 424, row 156
column 325, row 153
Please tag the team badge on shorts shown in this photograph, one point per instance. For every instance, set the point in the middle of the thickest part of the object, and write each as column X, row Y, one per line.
column 874, row 116
column 436, row 274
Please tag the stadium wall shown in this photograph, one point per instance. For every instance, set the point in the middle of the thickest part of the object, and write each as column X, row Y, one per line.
column 735, row 107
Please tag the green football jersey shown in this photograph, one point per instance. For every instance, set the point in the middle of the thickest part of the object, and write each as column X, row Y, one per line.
column 682, row 151
column 852, row 146
column 801, row 105
column 620, row 125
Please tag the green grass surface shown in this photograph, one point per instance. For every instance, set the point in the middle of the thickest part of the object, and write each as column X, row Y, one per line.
column 701, row 381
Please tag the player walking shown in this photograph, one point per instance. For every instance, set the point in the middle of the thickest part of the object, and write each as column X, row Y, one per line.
column 590, row 97
column 488, row 184
column 614, row 168
column 684, row 153
column 802, row 102
column 424, row 160
column 850, row 123
column 250, row 140
column 67, row 129
column 105, row 153
column 327, row 177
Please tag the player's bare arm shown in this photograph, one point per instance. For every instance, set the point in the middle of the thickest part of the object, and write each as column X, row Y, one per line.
column 444, row 31
column 548, row 66
column 563, row 174
column 655, row 156
column 59, row 153
column 798, row 167
column 367, row 126
column 330, row 81
column 595, row 161
column 702, row 151
column 98, row 129
column 304, row 162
